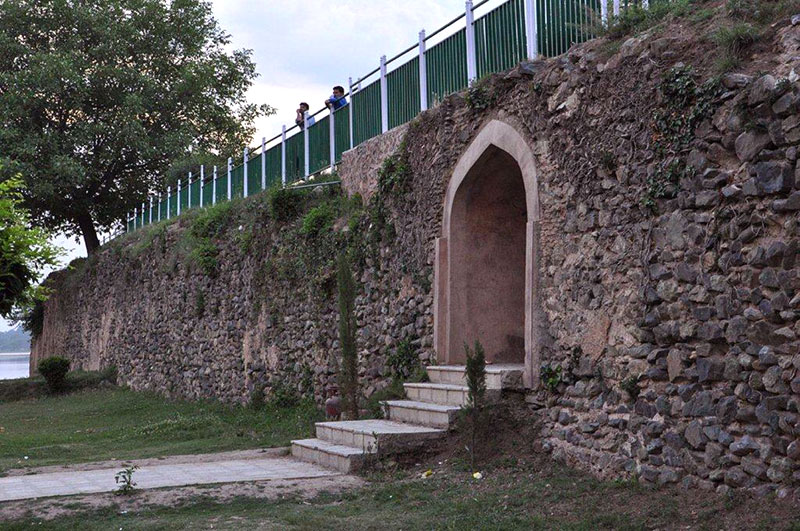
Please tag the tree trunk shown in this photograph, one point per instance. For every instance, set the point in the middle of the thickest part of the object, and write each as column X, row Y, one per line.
column 89, row 233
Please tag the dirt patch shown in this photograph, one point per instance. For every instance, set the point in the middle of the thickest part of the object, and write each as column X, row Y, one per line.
column 50, row 508
column 168, row 460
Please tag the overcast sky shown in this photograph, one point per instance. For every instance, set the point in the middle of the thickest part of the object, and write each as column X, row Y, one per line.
column 304, row 47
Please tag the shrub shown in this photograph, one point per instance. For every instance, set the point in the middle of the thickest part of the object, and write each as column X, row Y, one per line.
column 285, row 204
column 476, row 393
column 54, row 370
column 211, row 221
column 348, row 373
column 205, row 256
column 33, row 319
column 284, row 395
column 551, row 377
column 733, row 41
column 404, row 361
column 319, row 219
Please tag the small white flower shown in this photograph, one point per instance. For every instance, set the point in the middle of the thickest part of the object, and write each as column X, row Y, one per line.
column 477, row 475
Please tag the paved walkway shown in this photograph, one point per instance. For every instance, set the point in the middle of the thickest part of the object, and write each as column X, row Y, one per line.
column 156, row 476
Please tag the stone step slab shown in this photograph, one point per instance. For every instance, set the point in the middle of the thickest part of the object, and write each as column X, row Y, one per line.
column 498, row 376
column 437, row 393
column 422, row 413
column 336, row 456
column 384, row 436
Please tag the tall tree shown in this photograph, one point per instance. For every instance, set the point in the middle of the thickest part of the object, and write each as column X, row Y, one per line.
column 24, row 252
column 98, row 98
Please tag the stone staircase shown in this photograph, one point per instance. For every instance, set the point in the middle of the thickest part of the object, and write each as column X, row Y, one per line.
column 428, row 413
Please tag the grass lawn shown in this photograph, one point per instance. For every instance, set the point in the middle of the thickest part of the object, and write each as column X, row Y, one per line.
column 97, row 425
column 512, row 495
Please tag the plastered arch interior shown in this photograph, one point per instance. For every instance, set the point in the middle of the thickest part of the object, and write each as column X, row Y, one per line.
column 485, row 267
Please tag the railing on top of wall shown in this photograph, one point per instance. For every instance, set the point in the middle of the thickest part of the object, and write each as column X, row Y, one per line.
column 382, row 99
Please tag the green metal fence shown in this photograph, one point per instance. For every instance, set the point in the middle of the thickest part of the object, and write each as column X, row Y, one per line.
column 319, row 145
column 295, row 157
column 341, row 134
column 366, row 113
column 446, row 67
column 273, row 166
column 501, row 40
column 403, row 93
column 254, row 175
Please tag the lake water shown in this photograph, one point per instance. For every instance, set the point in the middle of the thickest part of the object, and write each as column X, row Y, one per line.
column 15, row 365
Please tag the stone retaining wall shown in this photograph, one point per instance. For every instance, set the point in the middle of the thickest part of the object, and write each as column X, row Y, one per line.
column 667, row 266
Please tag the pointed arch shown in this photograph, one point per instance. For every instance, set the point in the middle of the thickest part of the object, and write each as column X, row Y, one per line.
column 486, row 282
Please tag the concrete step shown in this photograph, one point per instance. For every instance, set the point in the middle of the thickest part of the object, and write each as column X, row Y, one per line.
column 384, row 436
column 422, row 413
column 342, row 458
column 498, row 376
column 437, row 393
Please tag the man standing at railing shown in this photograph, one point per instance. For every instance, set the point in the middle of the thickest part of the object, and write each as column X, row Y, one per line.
column 301, row 110
column 337, row 101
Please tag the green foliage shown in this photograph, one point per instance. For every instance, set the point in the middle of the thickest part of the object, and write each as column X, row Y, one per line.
column 476, row 394
column 211, row 222
column 762, row 11
column 32, row 318
column 393, row 391
column 97, row 99
column 285, row 395
column 204, row 255
column 285, row 204
column 551, row 377
column 199, row 303
column 733, row 42
column 36, row 387
column 635, row 19
column 479, row 96
column 24, row 252
column 663, row 183
column 685, row 104
column 54, row 370
column 631, row 386
column 476, row 376
column 348, row 370
column 395, row 174
column 318, row 219
column 403, row 361
column 124, row 480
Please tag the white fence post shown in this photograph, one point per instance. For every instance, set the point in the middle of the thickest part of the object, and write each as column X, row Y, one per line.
column 189, row 192
column 384, row 97
column 169, row 200
column 332, row 136
column 143, row 216
column 423, row 74
column 202, row 182
column 350, row 109
column 616, row 8
column 263, row 163
column 646, row 4
column 135, row 217
column 305, row 144
column 159, row 207
column 214, row 187
column 531, row 29
column 472, row 67
column 151, row 211
column 604, row 12
column 245, row 155
column 178, row 197
column 283, row 155
column 230, row 184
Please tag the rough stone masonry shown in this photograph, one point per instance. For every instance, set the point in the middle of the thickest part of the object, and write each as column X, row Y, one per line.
column 667, row 269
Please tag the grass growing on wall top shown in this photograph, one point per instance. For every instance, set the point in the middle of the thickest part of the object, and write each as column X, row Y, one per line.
column 122, row 424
